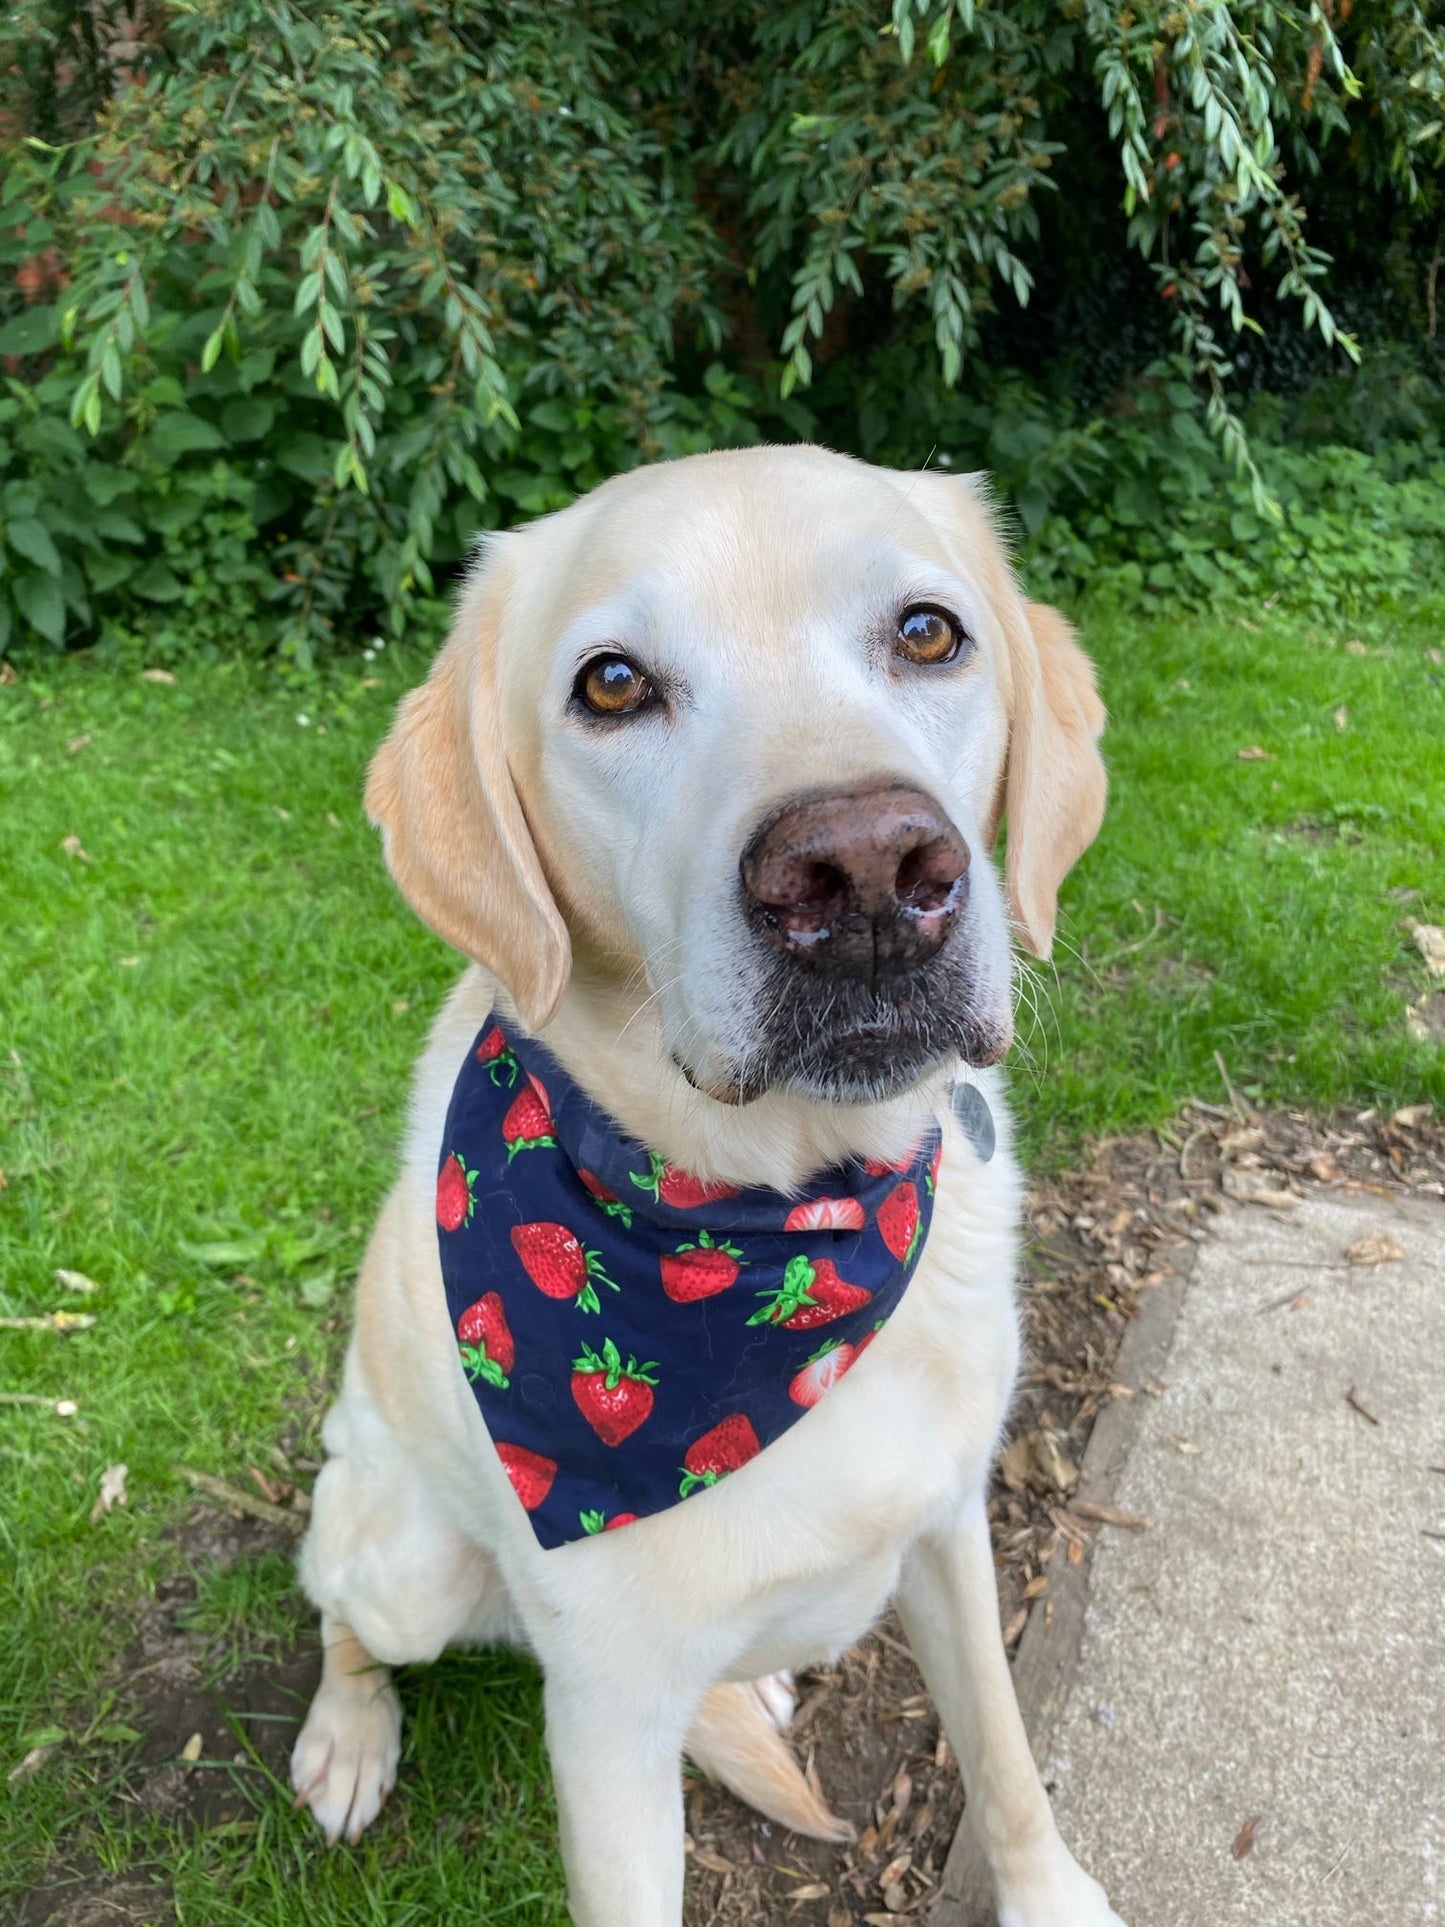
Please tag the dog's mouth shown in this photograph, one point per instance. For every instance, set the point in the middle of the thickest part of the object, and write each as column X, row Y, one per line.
column 847, row 1043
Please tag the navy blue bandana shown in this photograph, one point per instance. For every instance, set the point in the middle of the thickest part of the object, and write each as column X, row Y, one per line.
column 631, row 1333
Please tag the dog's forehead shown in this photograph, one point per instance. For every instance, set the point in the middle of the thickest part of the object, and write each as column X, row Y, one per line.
column 740, row 540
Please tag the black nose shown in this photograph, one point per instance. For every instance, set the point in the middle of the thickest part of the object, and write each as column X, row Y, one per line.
column 857, row 883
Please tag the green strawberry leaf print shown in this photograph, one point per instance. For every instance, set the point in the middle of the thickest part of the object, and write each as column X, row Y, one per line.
column 477, row 1365
column 790, row 1297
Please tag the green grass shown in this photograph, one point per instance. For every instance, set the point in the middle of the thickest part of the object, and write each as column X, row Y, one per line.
column 207, row 1030
column 1252, row 909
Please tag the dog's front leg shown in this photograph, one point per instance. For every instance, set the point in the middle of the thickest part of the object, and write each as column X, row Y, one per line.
column 615, row 1736
column 948, row 1602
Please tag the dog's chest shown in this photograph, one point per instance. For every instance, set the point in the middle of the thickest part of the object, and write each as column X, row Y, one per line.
column 802, row 1550
column 920, row 1437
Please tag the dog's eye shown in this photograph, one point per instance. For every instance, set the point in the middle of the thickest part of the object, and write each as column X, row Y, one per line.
column 929, row 636
column 613, row 686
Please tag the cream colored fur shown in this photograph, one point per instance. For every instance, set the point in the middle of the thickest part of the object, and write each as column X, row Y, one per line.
column 592, row 878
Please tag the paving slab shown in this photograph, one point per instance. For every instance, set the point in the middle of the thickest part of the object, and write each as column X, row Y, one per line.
column 1272, row 1649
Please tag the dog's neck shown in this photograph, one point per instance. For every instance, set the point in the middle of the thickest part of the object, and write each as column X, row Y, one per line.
column 610, row 1042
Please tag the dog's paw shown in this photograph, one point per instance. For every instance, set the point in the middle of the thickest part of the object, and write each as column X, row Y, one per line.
column 1056, row 1894
column 344, row 1763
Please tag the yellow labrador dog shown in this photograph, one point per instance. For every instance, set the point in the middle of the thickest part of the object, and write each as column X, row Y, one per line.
column 705, row 783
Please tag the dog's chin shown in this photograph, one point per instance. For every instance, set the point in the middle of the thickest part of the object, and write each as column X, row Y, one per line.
column 863, row 1063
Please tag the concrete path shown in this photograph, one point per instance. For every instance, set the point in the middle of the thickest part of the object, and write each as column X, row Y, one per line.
column 1272, row 1649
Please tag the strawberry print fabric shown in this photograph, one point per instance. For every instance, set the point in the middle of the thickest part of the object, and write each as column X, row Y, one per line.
column 630, row 1333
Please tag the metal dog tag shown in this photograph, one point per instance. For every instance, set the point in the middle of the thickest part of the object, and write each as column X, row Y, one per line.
column 970, row 1107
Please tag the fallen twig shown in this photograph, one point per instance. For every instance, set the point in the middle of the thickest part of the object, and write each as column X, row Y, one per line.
column 1108, row 1515
column 1353, row 1402
column 238, row 1501
column 52, row 1321
column 1239, row 1111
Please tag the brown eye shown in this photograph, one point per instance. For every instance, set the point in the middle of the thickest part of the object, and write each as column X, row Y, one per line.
column 928, row 636
column 613, row 686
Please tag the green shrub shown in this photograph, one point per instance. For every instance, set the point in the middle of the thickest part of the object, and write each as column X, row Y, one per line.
column 286, row 315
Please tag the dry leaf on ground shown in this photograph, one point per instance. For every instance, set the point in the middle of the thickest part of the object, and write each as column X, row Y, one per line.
column 157, row 675
column 1251, row 1187
column 1244, row 1840
column 1375, row 1248
column 73, row 846
column 1037, row 1460
column 1342, row 717
column 1430, row 942
column 75, row 1280
column 112, row 1491
column 1252, row 753
column 33, row 1761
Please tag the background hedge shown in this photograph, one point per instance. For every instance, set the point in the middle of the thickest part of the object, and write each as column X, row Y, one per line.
column 293, row 301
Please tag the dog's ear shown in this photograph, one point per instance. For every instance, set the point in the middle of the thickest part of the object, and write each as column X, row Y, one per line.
column 453, row 830
column 1055, row 781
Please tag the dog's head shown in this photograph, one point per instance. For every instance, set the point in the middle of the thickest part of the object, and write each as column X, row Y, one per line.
column 741, row 730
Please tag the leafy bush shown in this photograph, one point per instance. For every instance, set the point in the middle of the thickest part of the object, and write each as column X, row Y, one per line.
column 1141, row 500
column 286, row 316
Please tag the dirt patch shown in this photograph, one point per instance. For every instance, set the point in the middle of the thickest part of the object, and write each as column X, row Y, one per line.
column 79, row 1901
column 1098, row 1240
column 218, row 1724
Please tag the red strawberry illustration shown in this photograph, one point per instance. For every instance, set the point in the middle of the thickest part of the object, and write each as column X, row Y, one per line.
column 899, row 1222
column 528, row 1123
column 455, row 1202
column 680, row 1189
column 699, row 1270
column 821, row 1373
column 609, row 1201
column 558, row 1265
column 530, row 1473
column 826, row 1214
column 811, row 1294
column 493, row 1051
column 594, row 1522
column 486, row 1341
column 613, row 1398
column 933, row 1166
column 728, row 1445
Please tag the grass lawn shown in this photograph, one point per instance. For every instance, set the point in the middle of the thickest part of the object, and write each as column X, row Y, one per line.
column 210, row 1000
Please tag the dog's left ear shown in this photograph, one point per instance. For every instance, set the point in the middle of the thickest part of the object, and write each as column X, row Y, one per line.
column 1056, row 782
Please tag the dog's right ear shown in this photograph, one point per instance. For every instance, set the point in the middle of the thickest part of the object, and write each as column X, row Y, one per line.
column 452, row 827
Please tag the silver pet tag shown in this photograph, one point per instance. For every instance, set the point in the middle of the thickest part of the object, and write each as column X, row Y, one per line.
column 970, row 1107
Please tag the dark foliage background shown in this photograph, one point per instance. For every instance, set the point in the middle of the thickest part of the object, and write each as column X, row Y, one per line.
column 294, row 301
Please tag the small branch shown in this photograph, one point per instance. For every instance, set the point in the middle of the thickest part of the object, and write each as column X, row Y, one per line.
column 238, row 1501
